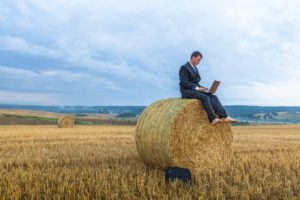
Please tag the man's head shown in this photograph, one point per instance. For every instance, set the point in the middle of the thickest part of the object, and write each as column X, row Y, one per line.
column 196, row 58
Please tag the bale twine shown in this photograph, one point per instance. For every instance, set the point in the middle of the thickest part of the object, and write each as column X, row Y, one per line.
column 66, row 122
column 176, row 132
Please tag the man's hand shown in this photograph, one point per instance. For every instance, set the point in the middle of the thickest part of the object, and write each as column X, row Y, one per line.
column 201, row 89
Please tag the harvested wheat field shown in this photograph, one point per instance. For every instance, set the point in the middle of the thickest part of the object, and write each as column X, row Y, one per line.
column 101, row 162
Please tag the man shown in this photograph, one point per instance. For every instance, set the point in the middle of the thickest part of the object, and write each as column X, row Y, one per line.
column 191, row 89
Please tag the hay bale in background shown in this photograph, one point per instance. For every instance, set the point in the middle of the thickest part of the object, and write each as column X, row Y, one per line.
column 176, row 132
column 66, row 122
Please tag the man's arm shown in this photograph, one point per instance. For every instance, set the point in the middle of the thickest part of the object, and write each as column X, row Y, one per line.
column 186, row 83
column 184, row 79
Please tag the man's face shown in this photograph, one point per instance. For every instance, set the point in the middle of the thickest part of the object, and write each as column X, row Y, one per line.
column 196, row 60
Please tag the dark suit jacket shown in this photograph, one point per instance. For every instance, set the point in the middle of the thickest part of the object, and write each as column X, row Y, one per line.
column 189, row 80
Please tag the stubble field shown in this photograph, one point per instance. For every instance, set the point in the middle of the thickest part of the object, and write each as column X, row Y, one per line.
column 101, row 162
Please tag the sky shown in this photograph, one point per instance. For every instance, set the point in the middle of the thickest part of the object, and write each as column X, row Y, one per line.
column 96, row 52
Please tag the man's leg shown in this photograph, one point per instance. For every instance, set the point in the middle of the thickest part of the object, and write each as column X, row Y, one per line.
column 217, row 106
column 206, row 102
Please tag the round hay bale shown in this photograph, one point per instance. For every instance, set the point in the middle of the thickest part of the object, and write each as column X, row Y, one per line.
column 176, row 132
column 66, row 122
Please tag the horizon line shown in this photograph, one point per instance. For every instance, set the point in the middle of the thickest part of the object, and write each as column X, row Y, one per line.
column 136, row 105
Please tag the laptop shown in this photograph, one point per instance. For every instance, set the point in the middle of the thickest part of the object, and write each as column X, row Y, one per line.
column 214, row 87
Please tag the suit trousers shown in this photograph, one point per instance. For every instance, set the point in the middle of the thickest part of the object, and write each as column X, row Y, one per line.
column 210, row 103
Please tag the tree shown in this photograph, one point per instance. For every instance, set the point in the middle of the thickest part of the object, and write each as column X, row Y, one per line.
column 126, row 115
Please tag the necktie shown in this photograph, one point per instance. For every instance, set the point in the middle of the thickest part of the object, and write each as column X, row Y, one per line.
column 196, row 70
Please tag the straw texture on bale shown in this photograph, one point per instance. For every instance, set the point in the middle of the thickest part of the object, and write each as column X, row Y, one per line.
column 66, row 122
column 176, row 132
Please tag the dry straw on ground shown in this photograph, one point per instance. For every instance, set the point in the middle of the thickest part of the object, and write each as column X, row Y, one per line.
column 176, row 132
column 101, row 162
column 66, row 122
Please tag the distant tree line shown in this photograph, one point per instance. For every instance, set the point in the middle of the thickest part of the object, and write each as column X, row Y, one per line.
column 127, row 115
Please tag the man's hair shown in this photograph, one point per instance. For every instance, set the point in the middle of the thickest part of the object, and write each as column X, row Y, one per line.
column 196, row 54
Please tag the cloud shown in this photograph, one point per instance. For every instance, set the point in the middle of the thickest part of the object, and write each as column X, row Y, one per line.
column 12, row 43
column 17, row 72
column 23, row 98
column 58, row 81
column 137, row 48
column 275, row 94
column 84, row 79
